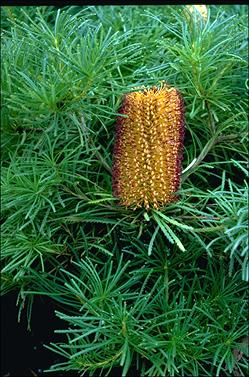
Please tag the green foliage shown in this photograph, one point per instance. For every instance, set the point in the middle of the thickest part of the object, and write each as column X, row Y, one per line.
column 162, row 291
column 134, row 312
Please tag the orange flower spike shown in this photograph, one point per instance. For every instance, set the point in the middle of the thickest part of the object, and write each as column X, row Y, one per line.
column 148, row 148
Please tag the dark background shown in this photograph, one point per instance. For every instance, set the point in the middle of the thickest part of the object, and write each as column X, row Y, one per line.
column 22, row 351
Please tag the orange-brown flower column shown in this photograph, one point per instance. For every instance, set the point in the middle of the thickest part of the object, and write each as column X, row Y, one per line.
column 148, row 148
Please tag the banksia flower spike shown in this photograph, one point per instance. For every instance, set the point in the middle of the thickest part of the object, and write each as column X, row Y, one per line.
column 148, row 148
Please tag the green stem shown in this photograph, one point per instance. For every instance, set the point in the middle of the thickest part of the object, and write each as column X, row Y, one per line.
column 201, row 157
column 166, row 282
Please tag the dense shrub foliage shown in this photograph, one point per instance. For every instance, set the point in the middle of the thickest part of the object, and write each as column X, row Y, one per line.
column 163, row 291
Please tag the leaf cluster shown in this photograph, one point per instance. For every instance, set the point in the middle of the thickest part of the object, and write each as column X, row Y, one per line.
column 164, row 290
column 132, row 313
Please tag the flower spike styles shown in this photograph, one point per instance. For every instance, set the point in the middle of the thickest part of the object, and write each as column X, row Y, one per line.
column 148, row 148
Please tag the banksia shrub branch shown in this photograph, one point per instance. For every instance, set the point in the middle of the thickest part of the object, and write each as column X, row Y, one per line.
column 157, row 293
column 148, row 148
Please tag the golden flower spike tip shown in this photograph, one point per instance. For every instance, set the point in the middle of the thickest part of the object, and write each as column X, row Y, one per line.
column 148, row 148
